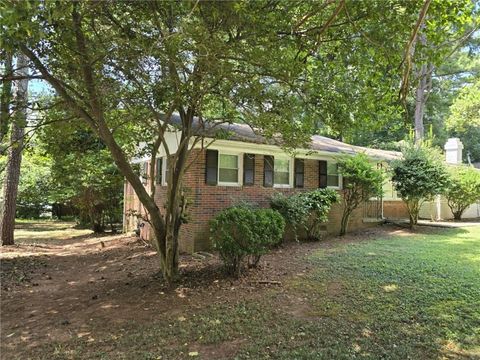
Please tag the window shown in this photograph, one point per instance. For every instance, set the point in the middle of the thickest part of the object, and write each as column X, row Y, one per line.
column 161, row 171
column 281, row 172
column 248, row 169
column 228, row 169
column 299, row 179
column 332, row 175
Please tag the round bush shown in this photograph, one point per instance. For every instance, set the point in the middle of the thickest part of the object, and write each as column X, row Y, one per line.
column 240, row 231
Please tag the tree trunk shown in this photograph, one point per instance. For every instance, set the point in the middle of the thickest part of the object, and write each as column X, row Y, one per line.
column 6, row 99
column 12, row 176
column 412, row 221
column 413, row 207
column 420, row 100
column 457, row 215
column 344, row 222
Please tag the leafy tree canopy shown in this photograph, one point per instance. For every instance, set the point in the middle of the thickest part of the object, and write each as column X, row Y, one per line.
column 464, row 120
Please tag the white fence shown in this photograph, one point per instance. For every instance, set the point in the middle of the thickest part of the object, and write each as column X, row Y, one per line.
column 439, row 210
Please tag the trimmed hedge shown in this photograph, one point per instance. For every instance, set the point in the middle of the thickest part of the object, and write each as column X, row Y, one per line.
column 305, row 210
column 243, row 231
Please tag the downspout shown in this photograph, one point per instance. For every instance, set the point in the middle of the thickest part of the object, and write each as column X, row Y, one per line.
column 438, row 206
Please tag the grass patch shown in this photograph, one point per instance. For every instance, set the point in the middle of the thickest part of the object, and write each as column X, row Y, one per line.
column 415, row 296
column 47, row 231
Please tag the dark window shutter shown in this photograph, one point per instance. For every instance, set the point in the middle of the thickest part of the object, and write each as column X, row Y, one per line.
column 268, row 171
column 159, row 170
column 248, row 169
column 211, row 167
column 299, row 173
column 322, row 174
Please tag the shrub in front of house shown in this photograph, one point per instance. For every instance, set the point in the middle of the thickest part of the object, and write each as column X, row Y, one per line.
column 418, row 177
column 361, row 181
column 306, row 210
column 319, row 203
column 244, row 232
column 293, row 209
column 463, row 189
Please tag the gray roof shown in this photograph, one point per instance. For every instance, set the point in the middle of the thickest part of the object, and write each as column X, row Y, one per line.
column 245, row 133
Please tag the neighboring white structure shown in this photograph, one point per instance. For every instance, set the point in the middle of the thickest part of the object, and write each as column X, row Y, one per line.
column 453, row 151
column 439, row 209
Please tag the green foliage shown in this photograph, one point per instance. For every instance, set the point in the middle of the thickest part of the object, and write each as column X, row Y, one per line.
column 293, row 209
column 418, row 177
column 34, row 190
column 457, row 66
column 319, row 202
column 463, row 189
column 305, row 210
column 361, row 181
column 241, row 231
column 464, row 120
column 82, row 171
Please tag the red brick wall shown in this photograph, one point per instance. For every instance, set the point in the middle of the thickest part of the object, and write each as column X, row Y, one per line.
column 206, row 200
column 395, row 209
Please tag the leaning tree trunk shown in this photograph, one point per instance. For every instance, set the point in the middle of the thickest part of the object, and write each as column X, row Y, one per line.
column 12, row 176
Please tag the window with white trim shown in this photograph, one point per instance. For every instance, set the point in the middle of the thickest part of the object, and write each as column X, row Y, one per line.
column 281, row 172
column 228, row 169
column 333, row 177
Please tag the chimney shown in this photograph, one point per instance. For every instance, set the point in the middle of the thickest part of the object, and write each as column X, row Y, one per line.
column 453, row 151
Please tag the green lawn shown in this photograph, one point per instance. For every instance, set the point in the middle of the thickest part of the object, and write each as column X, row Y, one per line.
column 402, row 297
column 52, row 232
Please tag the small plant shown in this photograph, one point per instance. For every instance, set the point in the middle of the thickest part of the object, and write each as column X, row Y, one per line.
column 418, row 177
column 243, row 231
column 463, row 189
column 305, row 210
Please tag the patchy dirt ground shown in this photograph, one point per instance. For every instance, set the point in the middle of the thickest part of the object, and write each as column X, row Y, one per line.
column 86, row 286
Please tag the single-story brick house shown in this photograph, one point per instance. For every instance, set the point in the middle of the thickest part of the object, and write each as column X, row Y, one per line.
column 250, row 168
